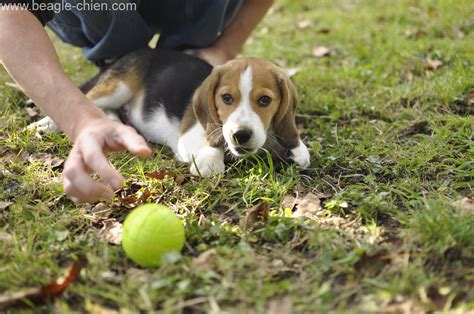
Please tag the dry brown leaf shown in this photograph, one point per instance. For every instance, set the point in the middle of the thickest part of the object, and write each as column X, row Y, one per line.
column 465, row 206
column 433, row 64
column 289, row 202
column 303, row 24
column 160, row 175
column 204, row 258
column 259, row 211
column 307, row 206
column 7, row 157
column 111, row 231
column 283, row 305
column 41, row 294
column 46, row 159
column 321, row 51
column 99, row 212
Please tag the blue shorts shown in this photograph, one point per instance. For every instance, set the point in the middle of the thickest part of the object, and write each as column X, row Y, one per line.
column 110, row 33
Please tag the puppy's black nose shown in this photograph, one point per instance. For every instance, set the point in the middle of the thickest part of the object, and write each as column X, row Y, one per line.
column 242, row 136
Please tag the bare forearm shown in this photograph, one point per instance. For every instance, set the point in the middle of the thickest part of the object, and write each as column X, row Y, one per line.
column 235, row 35
column 29, row 56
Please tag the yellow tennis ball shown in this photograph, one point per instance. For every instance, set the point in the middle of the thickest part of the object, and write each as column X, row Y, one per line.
column 149, row 232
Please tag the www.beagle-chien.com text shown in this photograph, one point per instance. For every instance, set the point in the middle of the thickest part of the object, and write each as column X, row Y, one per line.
column 201, row 113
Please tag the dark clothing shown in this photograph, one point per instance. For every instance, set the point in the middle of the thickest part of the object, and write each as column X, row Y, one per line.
column 112, row 32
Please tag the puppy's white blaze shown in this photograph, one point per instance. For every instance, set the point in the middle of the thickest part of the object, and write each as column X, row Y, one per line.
column 191, row 142
column 245, row 86
column 121, row 95
column 244, row 116
column 158, row 127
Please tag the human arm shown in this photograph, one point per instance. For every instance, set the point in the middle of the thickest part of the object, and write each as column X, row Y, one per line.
column 232, row 39
column 29, row 56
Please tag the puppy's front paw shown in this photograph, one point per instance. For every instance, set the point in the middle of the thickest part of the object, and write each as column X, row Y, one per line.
column 44, row 126
column 300, row 155
column 210, row 161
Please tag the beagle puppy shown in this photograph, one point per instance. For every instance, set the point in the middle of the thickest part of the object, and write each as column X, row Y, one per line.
column 205, row 115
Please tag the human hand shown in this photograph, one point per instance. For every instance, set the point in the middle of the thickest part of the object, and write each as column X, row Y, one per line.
column 212, row 55
column 88, row 156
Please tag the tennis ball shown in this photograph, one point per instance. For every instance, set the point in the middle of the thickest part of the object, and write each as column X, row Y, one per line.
column 149, row 232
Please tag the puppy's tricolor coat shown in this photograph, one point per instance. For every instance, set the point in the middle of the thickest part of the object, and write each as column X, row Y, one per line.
column 202, row 113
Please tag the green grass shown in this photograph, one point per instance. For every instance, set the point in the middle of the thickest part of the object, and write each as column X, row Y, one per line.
column 392, row 149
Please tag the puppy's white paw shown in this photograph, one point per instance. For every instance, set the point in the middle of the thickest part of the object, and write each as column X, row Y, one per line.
column 300, row 155
column 209, row 161
column 44, row 126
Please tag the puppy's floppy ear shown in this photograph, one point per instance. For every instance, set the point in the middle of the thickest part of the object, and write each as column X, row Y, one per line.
column 204, row 100
column 205, row 110
column 284, row 120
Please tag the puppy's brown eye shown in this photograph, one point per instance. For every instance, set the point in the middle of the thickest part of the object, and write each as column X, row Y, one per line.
column 264, row 101
column 227, row 99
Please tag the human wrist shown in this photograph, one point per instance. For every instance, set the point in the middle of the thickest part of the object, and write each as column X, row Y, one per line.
column 86, row 117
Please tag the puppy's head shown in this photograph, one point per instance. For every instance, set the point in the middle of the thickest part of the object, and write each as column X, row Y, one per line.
column 247, row 97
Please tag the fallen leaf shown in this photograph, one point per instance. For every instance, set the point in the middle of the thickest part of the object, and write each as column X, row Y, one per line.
column 46, row 159
column 433, row 64
column 7, row 157
column 321, row 51
column 464, row 205
column 307, row 206
column 42, row 294
column 204, row 258
column 111, row 231
column 160, row 175
column 56, row 288
column 99, row 212
column 282, row 305
column 259, row 211
column 303, row 24
column 289, row 202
